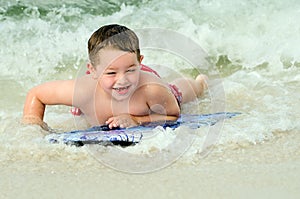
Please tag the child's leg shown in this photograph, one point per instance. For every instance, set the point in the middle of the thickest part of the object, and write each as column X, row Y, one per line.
column 191, row 88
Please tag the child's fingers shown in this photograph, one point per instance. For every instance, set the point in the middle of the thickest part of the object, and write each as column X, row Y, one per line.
column 112, row 125
column 122, row 122
column 109, row 120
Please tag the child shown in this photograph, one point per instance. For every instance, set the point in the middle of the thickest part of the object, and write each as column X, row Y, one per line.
column 118, row 91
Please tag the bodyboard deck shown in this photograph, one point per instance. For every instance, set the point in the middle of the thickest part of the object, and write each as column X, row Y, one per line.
column 128, row 136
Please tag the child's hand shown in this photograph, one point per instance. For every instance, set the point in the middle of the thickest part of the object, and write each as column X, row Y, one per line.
column 29, row 119
column 122, row 121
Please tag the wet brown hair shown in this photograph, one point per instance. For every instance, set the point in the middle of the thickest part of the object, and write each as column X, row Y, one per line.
column 114, row 36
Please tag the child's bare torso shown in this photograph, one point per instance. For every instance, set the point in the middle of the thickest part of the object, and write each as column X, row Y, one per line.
column 98, row 106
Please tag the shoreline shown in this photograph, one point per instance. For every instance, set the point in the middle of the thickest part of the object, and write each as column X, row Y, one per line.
column 266, row 170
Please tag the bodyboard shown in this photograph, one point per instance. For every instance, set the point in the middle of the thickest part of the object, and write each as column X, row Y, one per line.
column 128, row 136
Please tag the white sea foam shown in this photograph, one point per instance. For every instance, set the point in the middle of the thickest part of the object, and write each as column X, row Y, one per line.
column 258, row 38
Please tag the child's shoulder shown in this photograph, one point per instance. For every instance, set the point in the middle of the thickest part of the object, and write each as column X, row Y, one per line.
column 151, row 82
column 146, row 77
column 84, row 84
column 85, row 79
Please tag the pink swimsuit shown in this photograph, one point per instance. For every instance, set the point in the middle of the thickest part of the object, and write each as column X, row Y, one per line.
column 174, row 89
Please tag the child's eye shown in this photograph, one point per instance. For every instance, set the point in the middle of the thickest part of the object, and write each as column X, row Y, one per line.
column 131, row 70
column 110, row 73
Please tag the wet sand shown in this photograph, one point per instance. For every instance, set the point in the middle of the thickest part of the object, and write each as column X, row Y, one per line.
column 267, row 170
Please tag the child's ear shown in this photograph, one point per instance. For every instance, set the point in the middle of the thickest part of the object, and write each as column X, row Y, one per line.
column 91, row 70
column 141, row 58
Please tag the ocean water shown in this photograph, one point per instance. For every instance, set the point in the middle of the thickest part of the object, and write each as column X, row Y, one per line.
column 252, row 56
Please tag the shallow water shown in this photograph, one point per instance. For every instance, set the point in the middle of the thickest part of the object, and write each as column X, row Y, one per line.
column 253, row 57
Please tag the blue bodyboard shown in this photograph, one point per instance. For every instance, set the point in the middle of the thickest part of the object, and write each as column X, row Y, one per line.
column 128, row 136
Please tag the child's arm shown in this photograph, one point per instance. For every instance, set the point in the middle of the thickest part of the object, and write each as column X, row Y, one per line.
column 161, row 102
column 50, row 93
column 127, row 120
column 153, row 118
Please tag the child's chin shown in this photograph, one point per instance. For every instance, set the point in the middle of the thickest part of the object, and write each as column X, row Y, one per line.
column 120, row 97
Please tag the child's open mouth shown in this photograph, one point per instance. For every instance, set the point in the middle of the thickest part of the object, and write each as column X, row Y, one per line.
column 122, row 90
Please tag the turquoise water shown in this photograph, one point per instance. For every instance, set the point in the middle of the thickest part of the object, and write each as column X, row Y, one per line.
column 253, row 49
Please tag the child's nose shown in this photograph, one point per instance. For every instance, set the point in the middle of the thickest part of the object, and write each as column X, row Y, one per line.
column 121, row 78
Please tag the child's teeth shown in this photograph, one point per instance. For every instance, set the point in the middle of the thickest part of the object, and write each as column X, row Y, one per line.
column 119, row 89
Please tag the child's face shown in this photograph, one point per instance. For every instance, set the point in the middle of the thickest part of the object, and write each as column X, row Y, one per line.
column 119, row 73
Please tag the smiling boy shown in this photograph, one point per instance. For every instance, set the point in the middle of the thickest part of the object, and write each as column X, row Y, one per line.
column 118, row 91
